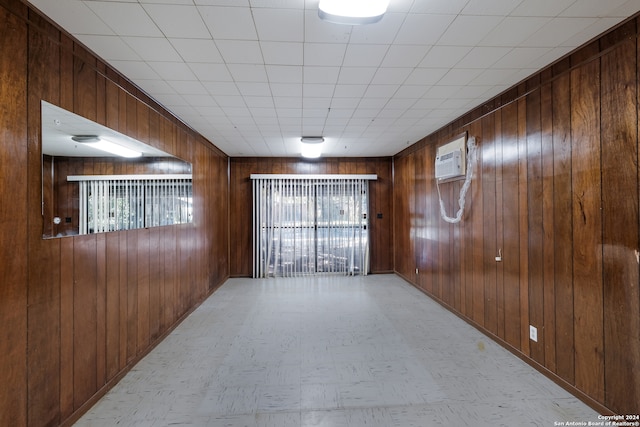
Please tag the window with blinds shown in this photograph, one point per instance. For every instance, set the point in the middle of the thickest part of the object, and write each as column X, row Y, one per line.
column 125, row 202
column 310, row 225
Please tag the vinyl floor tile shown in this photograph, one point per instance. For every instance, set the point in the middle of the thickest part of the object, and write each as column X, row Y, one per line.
column 330, row 352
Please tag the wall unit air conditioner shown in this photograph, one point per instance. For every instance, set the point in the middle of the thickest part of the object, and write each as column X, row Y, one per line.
column 449, row 164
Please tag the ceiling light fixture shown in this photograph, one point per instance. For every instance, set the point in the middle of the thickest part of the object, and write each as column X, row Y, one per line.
column 107, row 146
column 352, row 12
column 311, row 146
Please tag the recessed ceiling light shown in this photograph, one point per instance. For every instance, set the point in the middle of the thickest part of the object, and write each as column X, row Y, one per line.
column 352, row 12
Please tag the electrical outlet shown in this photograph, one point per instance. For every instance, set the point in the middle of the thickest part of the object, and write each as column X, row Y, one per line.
column 533, row 333
column 416, row 271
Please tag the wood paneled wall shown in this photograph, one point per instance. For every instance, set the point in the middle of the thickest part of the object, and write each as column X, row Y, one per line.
column 380, row 202
column 77, row 312
column 555, row 191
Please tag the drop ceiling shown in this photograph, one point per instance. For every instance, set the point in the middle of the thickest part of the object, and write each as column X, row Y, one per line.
column 253, row 76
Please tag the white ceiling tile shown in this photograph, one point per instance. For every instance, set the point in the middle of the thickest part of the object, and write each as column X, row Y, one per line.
column 519, row 56
column 316, row 90
column 135, row 69
column 468, row 30
column 259, row 102
column 197, row 50
column 441, row 92
column 401, row 104
column 366, row 55
column 278, row 4
column 598, row 27
column 557, row 32
column 287, row 101
column 593, row 8
column 423, row 29
column 254, row 88
column 356, row 75
column 211, row 72
column 344, row 102
column 439, row 7
column 327, row 54
column 349, row 91
column 286, row 89
column 229, row 101
column 407, row 91
column 629, row 8
column 314, row 112
column 200, row 100
column 493, row 7
column 519, row 29
column 229, row 23
column 395, row 76
column 340, row 113
column 378, row 103
column 483, row 57
column 426, row 76
column 285, row 25
column 404, row 55
column 171, row 100
column 319, row 31
column 444, row 56
column 179, row 21
column 282, row 53
column 310, row 102
column 153, row 49
column 315, row 74
column 240, row 51
column 76, row 17
column 188, row 87
column 172, row 70
column 381, row 91
column 156, row 86
column 248, row 72
column 547, row 8
column 126, row 19
column 381, row 101
column 384, row 32
column 492, row 77
column 187, row 2
column 109, row 47
column 284, row 73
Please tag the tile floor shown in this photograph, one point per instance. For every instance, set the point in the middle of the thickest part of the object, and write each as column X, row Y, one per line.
column 334, row 352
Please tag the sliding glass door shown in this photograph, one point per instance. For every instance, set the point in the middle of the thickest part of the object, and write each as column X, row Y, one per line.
column 310, row 226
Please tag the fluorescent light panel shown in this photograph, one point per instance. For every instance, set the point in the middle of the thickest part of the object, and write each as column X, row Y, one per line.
column 352, row 12
column 106, row 146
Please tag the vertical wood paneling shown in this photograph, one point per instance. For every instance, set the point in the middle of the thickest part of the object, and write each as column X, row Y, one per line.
column 563, row 228
column 559, row 177
column 548, row 257
column 510, row 226
column 619, row 133
column 489, row 240
column 523, row 225
column 71, row 321
column 43, row 339
column 84, row 320
column 13, row 268
column 587, row 228
column 535, row 206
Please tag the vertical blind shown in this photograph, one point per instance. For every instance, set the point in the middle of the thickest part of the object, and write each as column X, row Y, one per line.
column 310, row 225
column 112, row 203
